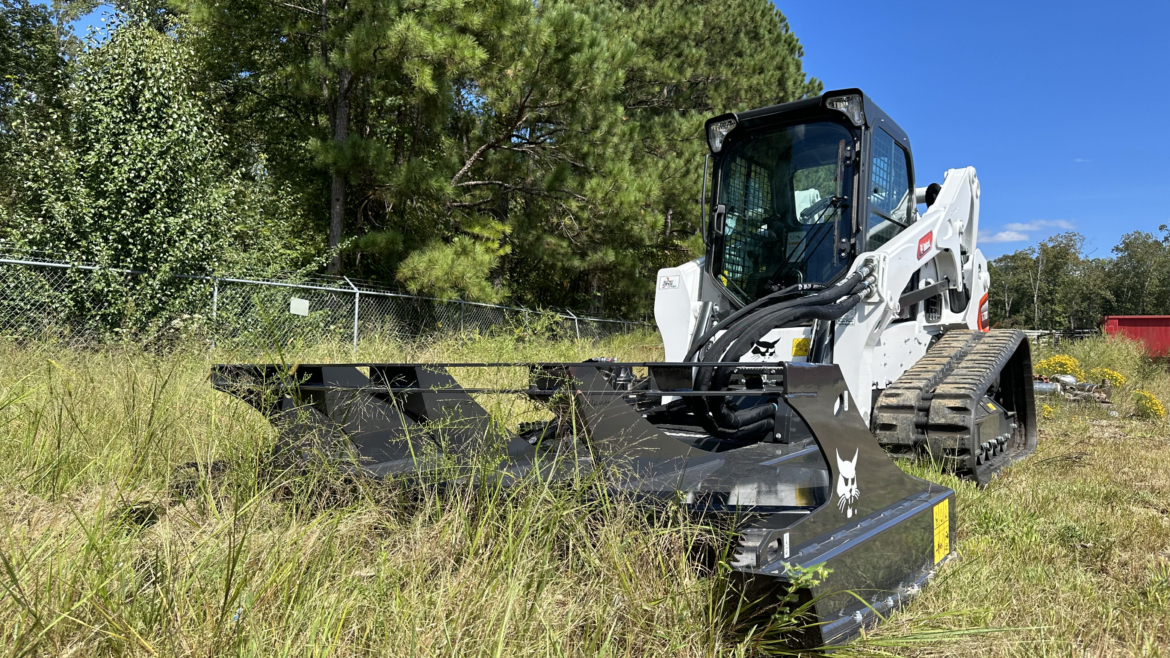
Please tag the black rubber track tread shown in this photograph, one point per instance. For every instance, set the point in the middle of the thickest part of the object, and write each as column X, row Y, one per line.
column 950, row 420
column 899, row 416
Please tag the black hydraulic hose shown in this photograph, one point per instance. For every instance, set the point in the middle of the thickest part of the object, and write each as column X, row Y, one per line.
column 715, row 407
column 761, row 329
column 825, row 295
column 732, row 335
column 704, row 375
column 734, row 339
column 713, row 413
column 729, row 418
column 753, row 322
column 766, row 299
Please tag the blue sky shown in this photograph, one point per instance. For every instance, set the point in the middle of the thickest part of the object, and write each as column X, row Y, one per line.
column 1061, row 107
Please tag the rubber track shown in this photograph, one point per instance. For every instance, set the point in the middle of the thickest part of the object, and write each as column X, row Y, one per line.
column 899, row 417
column 934, row 402
column 951, row 417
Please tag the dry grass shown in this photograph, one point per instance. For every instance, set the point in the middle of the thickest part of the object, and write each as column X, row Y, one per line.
column 104, row 555
column 1072, row 546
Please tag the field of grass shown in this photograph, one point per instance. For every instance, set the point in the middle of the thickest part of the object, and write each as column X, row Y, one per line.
column 107, row 550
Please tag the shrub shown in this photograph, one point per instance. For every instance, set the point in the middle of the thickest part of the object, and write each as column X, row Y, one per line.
column 1061, row 364
column 1149, row 406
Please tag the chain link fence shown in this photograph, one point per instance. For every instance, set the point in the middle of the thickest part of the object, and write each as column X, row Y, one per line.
column 45, row 297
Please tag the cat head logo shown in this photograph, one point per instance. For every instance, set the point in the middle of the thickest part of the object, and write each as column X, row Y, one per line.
column 847, row 491
column 764, row 350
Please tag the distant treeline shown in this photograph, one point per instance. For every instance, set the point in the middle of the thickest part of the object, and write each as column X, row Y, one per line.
column 546, row 153
column 1056, row 285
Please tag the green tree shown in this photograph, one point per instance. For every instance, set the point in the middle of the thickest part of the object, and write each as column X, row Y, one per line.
column 1010, row 295
column 550, row 151
column 33, row 72
column 1049, row 286
column 366, row 83
column 135, row 178
column 1139, row 276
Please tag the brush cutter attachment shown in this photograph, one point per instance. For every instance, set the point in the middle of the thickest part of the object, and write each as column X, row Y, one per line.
column 815, row 489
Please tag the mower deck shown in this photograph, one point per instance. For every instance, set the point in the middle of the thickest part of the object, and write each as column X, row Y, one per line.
column 820, row 492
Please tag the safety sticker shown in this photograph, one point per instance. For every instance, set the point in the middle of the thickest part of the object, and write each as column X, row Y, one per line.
column 942, row 530
column 667, row 282
column 800, row 346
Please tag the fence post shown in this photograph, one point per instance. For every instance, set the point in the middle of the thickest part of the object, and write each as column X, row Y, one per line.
column 462, row 308
column 576, row 326
column 356, row 298
column 214, row 308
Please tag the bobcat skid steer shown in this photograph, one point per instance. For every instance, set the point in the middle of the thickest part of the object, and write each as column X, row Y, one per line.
column 828, row 329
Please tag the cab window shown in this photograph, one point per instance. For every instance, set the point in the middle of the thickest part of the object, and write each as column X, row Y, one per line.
column 889, row 193
column 783, row 225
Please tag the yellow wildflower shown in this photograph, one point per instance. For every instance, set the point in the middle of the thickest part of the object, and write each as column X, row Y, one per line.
column 1149, row 406
column 1061, row 364
column 1114, row 378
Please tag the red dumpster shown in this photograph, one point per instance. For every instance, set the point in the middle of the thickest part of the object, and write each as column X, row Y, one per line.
column 1153, row 330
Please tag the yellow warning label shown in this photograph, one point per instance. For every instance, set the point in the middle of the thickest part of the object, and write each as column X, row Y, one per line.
column 723, row 279
column 991, row 406
column 942, row 530
column 800, row 346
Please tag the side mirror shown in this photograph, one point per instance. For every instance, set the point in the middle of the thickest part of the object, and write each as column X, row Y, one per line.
column 720, row 215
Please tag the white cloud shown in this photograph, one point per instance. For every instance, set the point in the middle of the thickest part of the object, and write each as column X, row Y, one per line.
column 1006, row 236
column 1081, row 160
column 1039, row 225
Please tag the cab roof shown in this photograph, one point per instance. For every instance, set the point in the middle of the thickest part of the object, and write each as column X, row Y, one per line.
column 815, row 106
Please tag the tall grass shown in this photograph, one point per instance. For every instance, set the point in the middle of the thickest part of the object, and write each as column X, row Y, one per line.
column 108, row 549
column 110, row 546
column 137, row 519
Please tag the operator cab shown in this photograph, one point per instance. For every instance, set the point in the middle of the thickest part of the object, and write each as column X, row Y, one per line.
column 801, row 188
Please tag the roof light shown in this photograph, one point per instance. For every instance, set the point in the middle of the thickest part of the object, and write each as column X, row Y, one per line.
column 849, row 105
column 717, row 132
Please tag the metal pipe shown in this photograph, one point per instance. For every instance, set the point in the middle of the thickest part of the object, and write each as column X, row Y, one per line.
column 703, row 200
column 747, row 366
column 538, row 391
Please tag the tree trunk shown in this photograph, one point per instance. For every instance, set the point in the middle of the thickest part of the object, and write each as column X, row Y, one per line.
column 1036, row 291
column 337, row 201
column 1007, row 300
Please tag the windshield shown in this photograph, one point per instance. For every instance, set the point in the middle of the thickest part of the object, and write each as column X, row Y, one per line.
column 782, row 223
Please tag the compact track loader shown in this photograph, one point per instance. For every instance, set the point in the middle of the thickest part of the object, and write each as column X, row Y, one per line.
column 828, row 329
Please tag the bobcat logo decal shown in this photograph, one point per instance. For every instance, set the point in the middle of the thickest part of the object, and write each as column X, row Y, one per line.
column 847, row 491
column 765, row 350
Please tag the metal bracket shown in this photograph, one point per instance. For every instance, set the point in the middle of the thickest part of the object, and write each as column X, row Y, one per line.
column 927, row 292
